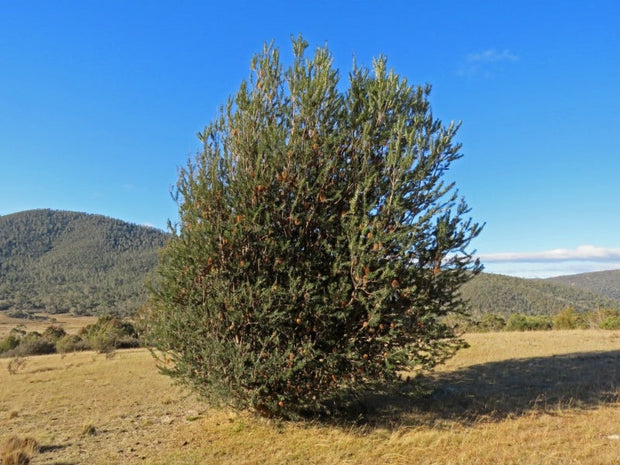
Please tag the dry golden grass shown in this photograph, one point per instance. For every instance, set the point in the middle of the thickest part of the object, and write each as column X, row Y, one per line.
column 18, row 451
column 512, row 398
column 86, row 408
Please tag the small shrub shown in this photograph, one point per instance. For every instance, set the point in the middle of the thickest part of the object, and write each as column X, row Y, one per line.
column 603, row 318
column 516, row 322
column 520, row 322
column 110, row 333
column 88, row 430
column 34, row 343
column 8, row 343
column 566, row 319
column 18, row 331
column 15, row 365
column 71, row 343
column 491, row 322
column 54, row 333
column 32, row 336
column 611, row 322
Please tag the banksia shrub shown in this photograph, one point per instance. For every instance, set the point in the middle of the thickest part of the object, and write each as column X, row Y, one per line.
column 319, row 246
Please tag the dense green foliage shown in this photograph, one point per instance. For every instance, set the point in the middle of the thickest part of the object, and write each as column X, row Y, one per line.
column 520, row 322
column 319, row 245
column 507, row 295
column 58, row 261
column 110, row 333
column 605, row 319
column 569, row 319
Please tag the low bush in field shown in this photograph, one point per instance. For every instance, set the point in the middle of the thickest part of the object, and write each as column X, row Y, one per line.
column 105, row 336
column 610, row 322
column 520, row 322
column 33, row 343
column 18, row 314
column 54, row 333
column 491, row 322
column 570, row 319
column 8, row 343
column 110, row 333
column 71, row 343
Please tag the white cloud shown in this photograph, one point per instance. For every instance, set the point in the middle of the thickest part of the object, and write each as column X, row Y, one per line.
column 491, row 56
column 556, row 262
column 547, row 269
column 581, row 253
column 486, row 62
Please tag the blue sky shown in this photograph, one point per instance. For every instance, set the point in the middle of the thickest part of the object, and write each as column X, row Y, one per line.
column 100, row 103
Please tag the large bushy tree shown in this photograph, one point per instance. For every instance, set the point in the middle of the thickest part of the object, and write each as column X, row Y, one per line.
column 319, row 244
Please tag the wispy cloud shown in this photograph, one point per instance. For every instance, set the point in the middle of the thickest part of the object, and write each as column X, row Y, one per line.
column 486, row 62
column 556, row 262
column 491, row 56
column 581, row 253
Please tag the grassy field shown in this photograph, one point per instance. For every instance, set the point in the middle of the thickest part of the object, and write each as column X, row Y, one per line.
column 71, row 324
column 511, row 398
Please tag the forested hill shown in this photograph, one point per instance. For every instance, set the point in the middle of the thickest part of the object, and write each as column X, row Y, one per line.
column 504, row 295
column 600, row 282
column 59, row 261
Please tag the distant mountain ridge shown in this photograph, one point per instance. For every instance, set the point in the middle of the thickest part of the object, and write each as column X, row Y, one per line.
column 505, row 295
column 605, row 283
column 62, row 261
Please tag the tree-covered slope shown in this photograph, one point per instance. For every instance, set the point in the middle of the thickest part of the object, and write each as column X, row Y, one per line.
column 606, row 283
column 505, row 295
column 59, row 261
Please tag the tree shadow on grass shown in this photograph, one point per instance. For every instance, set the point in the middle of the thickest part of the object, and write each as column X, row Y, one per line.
column 497, row 390
column 44, row 450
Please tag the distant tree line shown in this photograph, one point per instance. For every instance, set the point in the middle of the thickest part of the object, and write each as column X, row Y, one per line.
column 605, row 283
column 507, row 295
column 568, row 318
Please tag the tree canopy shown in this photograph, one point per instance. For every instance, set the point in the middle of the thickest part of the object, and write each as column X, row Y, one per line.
column 319, row 244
